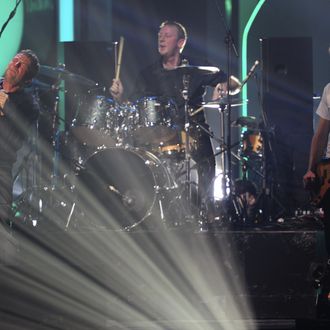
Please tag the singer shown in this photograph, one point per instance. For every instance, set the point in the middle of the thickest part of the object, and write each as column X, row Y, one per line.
column 18, row 110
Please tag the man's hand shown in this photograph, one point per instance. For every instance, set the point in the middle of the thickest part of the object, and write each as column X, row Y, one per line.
column 116, row 90
column 309, row 179
column 220, row 91
column 3, row 100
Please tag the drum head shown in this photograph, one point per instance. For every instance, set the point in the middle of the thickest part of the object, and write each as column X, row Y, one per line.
column 117, row 188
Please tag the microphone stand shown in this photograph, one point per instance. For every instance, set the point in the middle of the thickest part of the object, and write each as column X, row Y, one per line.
column 227, row 168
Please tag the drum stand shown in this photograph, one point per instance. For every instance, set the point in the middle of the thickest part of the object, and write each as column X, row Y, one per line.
column 29, row 203
column 226, row 154
column 185, row 95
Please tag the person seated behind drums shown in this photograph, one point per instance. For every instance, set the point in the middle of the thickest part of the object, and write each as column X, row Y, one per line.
column 159, row 79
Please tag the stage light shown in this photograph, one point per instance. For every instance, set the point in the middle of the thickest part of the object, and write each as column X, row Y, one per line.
column 95, row 273
column 66, row 20
column 218, row 190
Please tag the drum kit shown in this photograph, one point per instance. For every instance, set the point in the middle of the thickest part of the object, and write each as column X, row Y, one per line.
column 129, row 165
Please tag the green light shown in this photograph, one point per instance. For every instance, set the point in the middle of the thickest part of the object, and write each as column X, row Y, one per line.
column 229, row 9
column 66, row 20
column 61, row 93
column 12, row 35
column 244, row 51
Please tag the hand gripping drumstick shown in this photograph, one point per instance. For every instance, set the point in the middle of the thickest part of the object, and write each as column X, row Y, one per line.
column 120, row 53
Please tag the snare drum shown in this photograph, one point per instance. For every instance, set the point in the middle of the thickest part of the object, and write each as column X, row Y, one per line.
column 156, row 122
column 176, row 149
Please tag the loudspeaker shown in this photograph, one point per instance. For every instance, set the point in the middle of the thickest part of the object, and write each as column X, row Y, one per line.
column 287, row 93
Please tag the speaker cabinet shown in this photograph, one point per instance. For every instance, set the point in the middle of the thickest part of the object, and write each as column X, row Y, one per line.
column 287, row 92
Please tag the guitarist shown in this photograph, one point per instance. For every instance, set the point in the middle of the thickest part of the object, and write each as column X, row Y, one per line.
column 320, row 148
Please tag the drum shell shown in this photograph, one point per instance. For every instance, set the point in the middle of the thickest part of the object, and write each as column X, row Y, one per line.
column 156, row 122
column 97, row 122
column 177, row 148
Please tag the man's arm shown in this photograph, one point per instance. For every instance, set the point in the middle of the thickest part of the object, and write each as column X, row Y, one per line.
column 319, row 143
column 3, row 101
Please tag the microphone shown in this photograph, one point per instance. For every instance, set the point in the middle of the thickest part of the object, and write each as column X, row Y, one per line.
column 250, row 73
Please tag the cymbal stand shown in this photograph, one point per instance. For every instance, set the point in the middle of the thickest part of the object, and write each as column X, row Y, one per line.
column 223, row 149
column 230, row 46
column 55, row 143
column 185, row 95
column 30, row 172
column 56, row 133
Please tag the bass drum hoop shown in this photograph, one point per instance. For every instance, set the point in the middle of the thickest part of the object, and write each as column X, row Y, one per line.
column 111, row 171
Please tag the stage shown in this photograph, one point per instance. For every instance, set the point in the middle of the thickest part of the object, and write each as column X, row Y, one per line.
column 184, row 277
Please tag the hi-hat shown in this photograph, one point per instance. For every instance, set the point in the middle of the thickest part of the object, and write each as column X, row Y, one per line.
column 223, row 102
column 219, row 104
column 63, row 74
column 190, row 69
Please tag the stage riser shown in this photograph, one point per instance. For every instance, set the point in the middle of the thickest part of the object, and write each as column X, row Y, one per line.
column 266, row 273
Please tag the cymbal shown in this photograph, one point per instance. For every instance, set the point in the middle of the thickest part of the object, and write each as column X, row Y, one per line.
column 189, row 69
column 235, row 85
column 245, row 121
column 224, row 102
column 221, row 103
column 41, row 85
column 63, row 74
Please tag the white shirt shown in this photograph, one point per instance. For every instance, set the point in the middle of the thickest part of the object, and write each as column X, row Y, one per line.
column 323, row 110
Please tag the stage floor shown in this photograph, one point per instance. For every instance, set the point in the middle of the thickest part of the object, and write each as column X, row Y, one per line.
column 183, row 277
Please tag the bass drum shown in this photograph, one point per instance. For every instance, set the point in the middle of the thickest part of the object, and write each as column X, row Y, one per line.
column 121, row 188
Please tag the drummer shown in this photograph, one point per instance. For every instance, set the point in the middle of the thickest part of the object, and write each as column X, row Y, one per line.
column 159, row 79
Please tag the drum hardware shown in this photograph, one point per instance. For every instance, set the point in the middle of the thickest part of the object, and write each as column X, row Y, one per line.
column 249, row 122
column 186, row 69
column 217, row 104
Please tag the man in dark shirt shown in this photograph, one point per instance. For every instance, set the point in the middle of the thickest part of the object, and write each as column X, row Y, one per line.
column 164, row 79
column 18, row 110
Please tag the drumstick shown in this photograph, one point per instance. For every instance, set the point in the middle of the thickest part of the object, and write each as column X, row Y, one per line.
column 120, row 53
column 195, row 112
column 115, row 45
